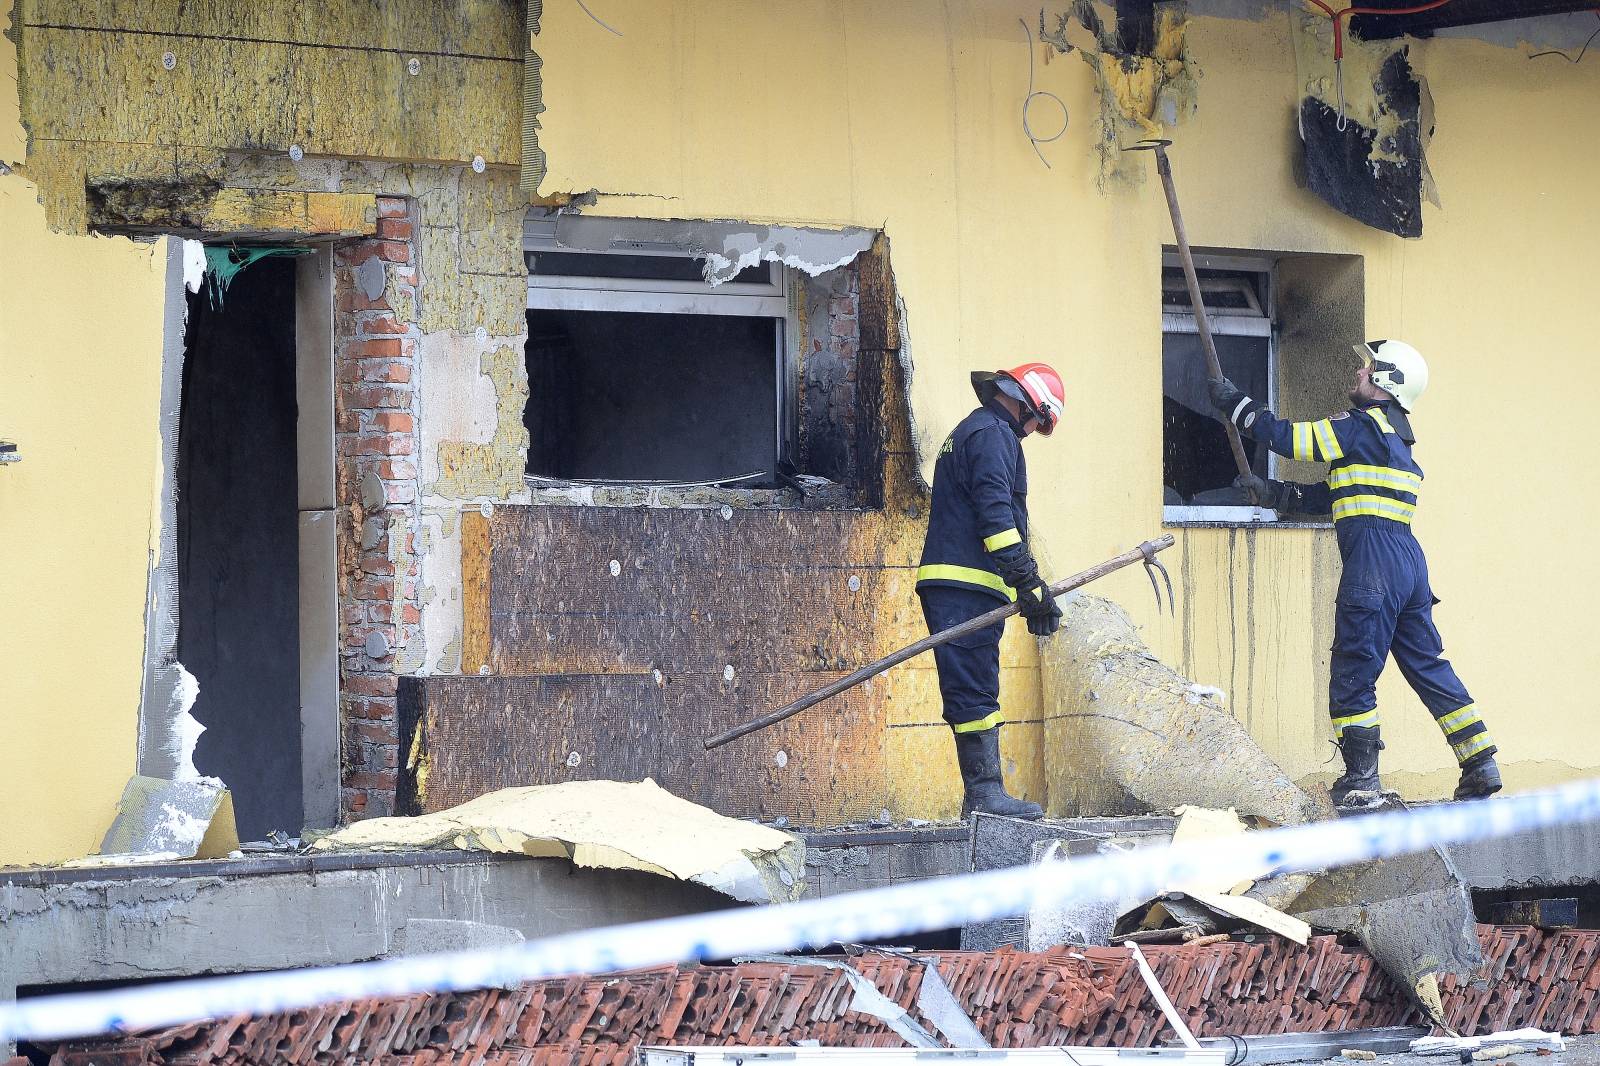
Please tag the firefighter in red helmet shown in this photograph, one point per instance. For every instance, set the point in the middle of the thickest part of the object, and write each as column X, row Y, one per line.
column 976, row 557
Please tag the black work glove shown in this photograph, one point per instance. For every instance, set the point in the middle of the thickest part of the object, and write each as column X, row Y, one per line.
column 1278, row 495
column 1040, row 609
column 1225, row 395
column 1019, row 571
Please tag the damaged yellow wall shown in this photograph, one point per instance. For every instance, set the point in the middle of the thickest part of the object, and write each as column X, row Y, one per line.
column 80, row 370
column 905, row 115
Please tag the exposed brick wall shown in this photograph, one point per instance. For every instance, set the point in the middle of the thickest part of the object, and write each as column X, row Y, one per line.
column 376, row 336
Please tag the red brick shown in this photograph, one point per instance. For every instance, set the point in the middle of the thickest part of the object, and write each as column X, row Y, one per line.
column 376, row 709
column 391, row 207
column 363, row 779
column 380, row 371
column 353, row 299
column 410, row 614
column 384, row 348
column 370, row 684
column 397, row 228
column 347, row 256
column 373, row 588
column 377, row 564
column 393, row 422
column 355, row 802
column 398, row 492
column 394, row 251
column 392, row 444
column 396, row 469
column 381, row 325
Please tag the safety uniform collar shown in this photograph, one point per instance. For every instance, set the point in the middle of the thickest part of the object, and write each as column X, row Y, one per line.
column 995, row 407
column 1399, row 420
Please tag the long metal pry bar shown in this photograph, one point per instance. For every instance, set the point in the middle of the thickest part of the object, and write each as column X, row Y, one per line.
column 1202, row 323
column 1145, row 553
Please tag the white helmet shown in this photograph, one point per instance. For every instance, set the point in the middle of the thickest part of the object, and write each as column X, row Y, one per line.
column 1397, row 368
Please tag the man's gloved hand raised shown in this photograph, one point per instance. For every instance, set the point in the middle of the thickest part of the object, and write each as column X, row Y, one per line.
column 1225, row 395
column 1040, row 609
column 1278, row 495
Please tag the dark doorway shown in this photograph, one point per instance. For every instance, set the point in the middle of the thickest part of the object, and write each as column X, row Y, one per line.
column 238, row 550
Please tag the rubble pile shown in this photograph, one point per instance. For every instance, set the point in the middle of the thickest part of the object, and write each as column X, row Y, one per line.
column 1077, row 996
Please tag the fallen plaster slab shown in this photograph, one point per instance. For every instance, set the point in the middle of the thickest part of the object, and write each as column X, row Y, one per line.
column 66, row 926
column 616, row 825
column 163, row 820
column 1411, row 913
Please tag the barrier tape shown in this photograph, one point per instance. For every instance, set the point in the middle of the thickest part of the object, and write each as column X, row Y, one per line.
column 875, row 914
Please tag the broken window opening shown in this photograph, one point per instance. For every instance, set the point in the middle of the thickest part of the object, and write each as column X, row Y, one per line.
column 646, row 379
column 1197, row 465
column 1281, row 324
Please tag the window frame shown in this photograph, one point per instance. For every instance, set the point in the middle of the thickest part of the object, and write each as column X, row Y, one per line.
column 1229, row 325
column 775, row 298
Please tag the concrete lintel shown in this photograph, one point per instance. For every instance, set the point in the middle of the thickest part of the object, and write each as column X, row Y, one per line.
column 139, row 927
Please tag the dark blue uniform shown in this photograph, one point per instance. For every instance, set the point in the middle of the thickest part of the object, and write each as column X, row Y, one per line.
column 980, row 488
column 1385, row 603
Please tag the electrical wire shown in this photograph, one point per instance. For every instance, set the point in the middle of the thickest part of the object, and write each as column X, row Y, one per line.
column 1581, row 51
column 602, row 23
column 1338, row 38
column 1027, row 101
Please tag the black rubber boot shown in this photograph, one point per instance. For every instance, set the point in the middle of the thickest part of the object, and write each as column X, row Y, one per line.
column 979, row 757
column 1480, row 778
column 1359, row 786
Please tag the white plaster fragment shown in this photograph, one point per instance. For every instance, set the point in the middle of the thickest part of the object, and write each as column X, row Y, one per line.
column 186, row 729
column 194, row 265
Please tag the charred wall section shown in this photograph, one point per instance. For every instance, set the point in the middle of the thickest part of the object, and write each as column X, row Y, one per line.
column 612, row 640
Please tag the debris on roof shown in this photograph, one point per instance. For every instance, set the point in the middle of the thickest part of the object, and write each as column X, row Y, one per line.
column 1065, row 996
column 614, row 825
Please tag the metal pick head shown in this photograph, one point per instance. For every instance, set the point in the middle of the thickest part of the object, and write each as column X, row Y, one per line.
column 1151, row 565
column 1149, row 144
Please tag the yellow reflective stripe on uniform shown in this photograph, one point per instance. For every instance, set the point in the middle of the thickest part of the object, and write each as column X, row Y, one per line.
column 967, row 575
column 1381, row 506
column 1302, row 441
column 1327, row 440
column 1003, row 539
column 988, row 721
column 1383, row 477
column 1361, row 719
column 1382, row 419
column 1459, row 719
column 1468, row 748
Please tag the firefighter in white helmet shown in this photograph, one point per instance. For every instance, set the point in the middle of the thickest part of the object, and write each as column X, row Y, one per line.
column 1385, row 603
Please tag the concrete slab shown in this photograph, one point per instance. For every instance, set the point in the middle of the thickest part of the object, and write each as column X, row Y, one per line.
column 69, row 926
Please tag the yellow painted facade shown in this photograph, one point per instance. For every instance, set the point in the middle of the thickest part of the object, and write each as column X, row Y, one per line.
column 80, row 371
column 894, row 115
column 905, row 116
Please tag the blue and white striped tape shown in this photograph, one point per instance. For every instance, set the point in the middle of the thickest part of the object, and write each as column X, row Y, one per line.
column 899, row 910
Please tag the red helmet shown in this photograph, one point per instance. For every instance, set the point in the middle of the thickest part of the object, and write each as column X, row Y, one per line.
column 1035, row 385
